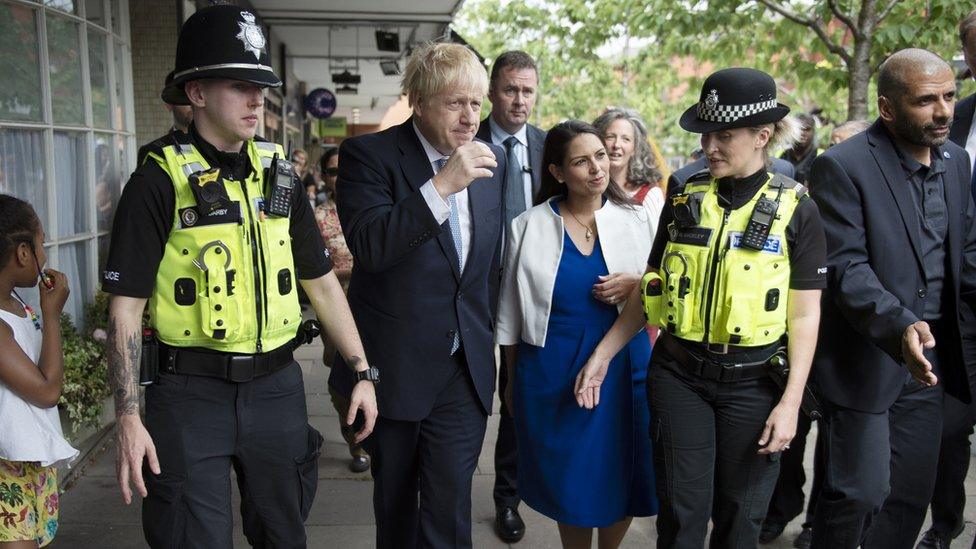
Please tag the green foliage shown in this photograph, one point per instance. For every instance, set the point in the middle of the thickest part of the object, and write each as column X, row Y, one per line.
column 674, row 44
column 85, row 365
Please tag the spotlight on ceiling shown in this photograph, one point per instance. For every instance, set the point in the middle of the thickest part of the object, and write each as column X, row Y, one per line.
column 390, row 67
column 387, row 40
column 346, row 77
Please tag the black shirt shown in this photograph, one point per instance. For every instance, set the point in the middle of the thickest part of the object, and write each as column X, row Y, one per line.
column 144, row 219
column 928, row 194
column 805, row 237
column 801, row 166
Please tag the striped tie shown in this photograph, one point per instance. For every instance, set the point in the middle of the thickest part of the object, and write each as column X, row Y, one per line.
column 455, row 222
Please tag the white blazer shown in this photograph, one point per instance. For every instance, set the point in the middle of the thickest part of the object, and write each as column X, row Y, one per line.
column 532, row 254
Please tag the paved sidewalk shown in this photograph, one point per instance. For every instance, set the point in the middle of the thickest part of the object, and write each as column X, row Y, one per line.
column 93, row 515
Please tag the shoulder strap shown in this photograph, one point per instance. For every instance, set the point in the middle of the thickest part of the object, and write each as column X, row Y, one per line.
column 641, row 193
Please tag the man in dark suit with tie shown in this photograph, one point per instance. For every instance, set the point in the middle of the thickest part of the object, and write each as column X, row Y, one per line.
column 512, row 90
column 421, row 209
column 901, row 253
column 949, row 496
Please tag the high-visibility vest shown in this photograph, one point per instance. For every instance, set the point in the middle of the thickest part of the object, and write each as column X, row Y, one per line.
column 227, row 278
column 710, row 288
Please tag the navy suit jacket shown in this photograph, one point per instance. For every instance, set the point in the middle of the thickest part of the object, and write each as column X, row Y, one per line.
column 406, row 292
column 876, row 278
column 678, row 178
column 537, row 139
column 962, row 121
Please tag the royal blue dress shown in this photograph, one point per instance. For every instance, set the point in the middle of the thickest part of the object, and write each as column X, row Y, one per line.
column 587, row 468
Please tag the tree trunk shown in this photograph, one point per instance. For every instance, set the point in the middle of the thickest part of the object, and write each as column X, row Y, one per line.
column 859, row 68
column 859, row 75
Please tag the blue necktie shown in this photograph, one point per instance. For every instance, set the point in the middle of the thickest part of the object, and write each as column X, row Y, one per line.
column 455, row 222
column 514, row 183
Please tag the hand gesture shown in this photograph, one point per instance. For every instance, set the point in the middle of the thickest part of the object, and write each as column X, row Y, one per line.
column 363, row 398
column 615, row 287
column 134, row 444
column 588, row 382
column 470, row 161
column 780, row 429
column 918, row 337
column 53, row 299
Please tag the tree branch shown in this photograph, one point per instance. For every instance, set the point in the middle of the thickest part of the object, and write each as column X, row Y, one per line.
column 844, row 18
column 887, row 9
column 813, row 24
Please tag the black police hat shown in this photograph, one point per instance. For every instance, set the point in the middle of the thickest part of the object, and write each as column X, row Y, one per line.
column 734, row 98
column 220, row 41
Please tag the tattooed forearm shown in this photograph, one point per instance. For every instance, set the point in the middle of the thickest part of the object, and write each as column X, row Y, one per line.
column 124, row 349
column 354, row 362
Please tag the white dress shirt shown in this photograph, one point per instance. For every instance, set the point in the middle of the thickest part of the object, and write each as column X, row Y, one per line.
column 439, row 207
column 498, row 137
column 971, row 143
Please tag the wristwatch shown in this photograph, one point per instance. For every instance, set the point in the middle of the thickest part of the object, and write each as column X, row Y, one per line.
column 371, row 374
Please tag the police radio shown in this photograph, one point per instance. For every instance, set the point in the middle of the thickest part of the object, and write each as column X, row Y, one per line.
column 760, row 222
column 281, row 186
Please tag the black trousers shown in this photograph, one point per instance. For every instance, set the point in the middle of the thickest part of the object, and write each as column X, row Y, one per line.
column 706, row 437
column 787, row 500
column 506, row 450
column 880, row 471
column 202, row 427
column 434, row 458
column 949, row 496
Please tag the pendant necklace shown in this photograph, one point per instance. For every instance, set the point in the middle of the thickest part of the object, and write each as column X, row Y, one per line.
column 589, row 232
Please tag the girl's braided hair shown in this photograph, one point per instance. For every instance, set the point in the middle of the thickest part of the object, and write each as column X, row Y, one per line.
column 18, row 224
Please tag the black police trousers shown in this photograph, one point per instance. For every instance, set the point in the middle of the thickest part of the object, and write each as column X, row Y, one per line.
column 706, row 437
column 202, row 427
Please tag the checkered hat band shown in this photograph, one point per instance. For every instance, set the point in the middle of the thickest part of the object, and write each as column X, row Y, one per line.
column 731, row 113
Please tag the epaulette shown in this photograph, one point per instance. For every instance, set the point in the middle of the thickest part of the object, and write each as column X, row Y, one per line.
column 780, row 180
column 699, row 176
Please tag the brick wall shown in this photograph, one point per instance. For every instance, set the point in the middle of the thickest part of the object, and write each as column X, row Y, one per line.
column 154, row 30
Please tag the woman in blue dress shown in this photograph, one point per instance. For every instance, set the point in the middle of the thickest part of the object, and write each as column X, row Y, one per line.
column 553, row 310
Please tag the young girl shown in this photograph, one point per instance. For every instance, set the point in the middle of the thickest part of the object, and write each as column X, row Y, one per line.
column 31, row 368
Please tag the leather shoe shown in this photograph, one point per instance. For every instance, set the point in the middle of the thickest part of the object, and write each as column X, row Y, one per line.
column 359, row 464
column 805, row 539
column 933, row 539
column 508, row 524
column 770, row 530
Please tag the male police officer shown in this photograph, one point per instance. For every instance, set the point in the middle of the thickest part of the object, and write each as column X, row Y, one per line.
column 212, row 233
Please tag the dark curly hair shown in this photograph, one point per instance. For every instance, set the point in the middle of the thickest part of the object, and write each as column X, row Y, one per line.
column 18, row 224
column 554, row 152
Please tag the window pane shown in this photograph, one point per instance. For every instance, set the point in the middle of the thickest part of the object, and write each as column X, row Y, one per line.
column 98, row 69
column 73, row 261
column 116, row 16
column 120, row 112
column 69, row 6
column 22, row 168
column 20, row 95
column 63, row 51
column 107, row 183
column 69, row 172
column 95, row 12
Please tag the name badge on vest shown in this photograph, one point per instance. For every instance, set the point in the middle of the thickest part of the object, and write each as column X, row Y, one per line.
column 191, row 217
column 773, row 244
column 694, row 236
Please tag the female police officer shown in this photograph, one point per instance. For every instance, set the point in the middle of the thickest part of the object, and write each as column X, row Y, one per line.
column 739, row 266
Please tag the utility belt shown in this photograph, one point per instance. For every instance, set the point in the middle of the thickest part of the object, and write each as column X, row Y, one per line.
column 752, row 365
column 756, row 362
column 236, row 368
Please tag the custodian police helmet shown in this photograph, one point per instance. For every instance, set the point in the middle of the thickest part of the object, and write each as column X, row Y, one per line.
column 222, row 41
